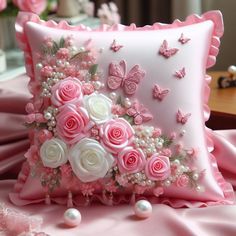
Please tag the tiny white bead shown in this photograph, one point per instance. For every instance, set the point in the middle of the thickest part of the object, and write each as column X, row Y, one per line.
column 176, row 162
column 67, row 63
column 113, row 95
column 127, row 103
column 159, row 145
column 232, row 69
column 39, row 66
column 167, row 183
column 82, row 49
column 143, row 209
column 72, row 217
column 183, row 132
column 47, row 115
column 195, row 176
column 97, row 85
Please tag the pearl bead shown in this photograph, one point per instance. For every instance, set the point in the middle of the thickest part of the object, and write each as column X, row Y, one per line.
column 195, row 176
column 232, row 69
column 72, row 217
column 176, row 162
column 97, row 85
column 159, row 145
column 143, row 209
column 127, row 103
column 47, row 115
column 82, row 49
column 183, row 132
column 167, row 183
column 39, row 66
column 113, row 95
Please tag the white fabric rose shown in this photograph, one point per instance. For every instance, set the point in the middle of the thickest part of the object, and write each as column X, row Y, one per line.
column 54, row 153
column 89, row 160
column 98, row 107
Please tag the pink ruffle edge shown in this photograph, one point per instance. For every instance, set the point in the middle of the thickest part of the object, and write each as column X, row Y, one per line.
column 216, row 18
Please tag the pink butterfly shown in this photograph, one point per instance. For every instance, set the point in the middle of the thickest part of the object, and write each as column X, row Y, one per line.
column 118, row 77
column 139, row 112
column 159, row 93
column 167, row 52
column 182, row 118
column 180, row 73
column 115, row 47
column 183, row 39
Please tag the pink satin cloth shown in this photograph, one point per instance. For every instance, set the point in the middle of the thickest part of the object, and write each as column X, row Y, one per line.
column 99, row 219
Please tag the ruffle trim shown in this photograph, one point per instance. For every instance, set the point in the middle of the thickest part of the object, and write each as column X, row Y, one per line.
column 214, row 16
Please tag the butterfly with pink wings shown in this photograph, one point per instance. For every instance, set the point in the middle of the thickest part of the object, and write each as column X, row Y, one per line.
column 180, row 74
column 183, row 39
column 159, row 93
column 118, row 78
column 115, row 47
column 181, row 117
column 139, row 113
column 167, row 52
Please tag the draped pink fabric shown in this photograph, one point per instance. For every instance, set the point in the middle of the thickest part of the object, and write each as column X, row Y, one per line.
column 104, row 220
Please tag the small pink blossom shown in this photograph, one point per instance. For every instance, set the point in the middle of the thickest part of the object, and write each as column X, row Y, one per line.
column 139, row 189
column 63, row 53
column 87, row 88
column 122, row 180
column 32, row 155
column 173, row 135
column 66, row 91
column 111, row 186
column 48, row 42
column 72, row 122
column 118, row 110
column 46, row 71
column 166, row 152
column 44, row 135
column 116, row 134
column 156, row 133
column 71, row 71
column 193, row 152
column 66, row 170
column 29, row 108
column 3, row 5
column 29, row 119
column 178, row 148
column 158, row 191
column 157, row 167
column 87, row 189
column 35, row 6
column 182, row 180
column 130, row 160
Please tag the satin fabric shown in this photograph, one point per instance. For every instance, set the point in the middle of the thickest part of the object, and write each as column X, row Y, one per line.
column 104, row 220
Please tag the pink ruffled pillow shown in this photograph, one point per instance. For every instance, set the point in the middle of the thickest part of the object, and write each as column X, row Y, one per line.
column 119, row 113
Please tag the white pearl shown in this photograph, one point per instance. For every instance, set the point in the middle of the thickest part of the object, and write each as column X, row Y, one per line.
column 97, row 85
column 195, row 176
column 39, row 66
column 72, row 217
column 176, row 162
column 159, row 145
column 82, row 49
column 113, row 95
column 183, row 132
column 47, row 115
column 143, row 209
column 67, row 63
column 167, row 183
column 127, row 103
column 232, row 69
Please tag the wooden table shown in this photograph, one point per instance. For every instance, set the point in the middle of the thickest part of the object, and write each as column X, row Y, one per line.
column 222, row 103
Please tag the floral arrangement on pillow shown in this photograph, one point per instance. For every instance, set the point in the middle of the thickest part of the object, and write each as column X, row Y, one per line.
column 113, row 122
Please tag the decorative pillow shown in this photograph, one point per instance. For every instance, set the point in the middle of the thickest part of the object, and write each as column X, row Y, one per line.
column 119, row 113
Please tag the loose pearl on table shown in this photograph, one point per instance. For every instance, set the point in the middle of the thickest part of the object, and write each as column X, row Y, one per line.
column 143, row 209
column 72, row 217
column 232, row 69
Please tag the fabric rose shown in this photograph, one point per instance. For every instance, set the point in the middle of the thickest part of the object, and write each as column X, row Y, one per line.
column 65, row 91
column 182, row 181
column 72, row 123
column 116, row 134
column 157, row 167
column 89, row 160
column 130, row 160
column 3, row 4
column 53, row 153
column 98, row 107
column 35, row 6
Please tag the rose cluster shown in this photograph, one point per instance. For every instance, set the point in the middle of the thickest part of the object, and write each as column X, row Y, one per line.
column 91, row 159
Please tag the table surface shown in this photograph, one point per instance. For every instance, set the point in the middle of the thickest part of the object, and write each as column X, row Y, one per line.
column 221, row 100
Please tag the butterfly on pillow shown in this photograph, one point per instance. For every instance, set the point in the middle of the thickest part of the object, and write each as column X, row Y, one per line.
column 181, row 117
column 167, row 52
column 159, row 93
column 118, row 77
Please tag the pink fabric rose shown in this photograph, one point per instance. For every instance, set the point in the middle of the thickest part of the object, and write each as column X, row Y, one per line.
column 182, row 181
column 46, row 71
column 65, row 91
column 157, row 167
column 72, row 122
column 44, row 135
column 116, row 134
column 3, row 4
column 35, row 6
column 63, row 53
column 130, row 160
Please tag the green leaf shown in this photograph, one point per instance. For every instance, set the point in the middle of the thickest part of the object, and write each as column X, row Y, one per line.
column 62, row 43
column 55, row 48
column 130, row 119
column 93, row 69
